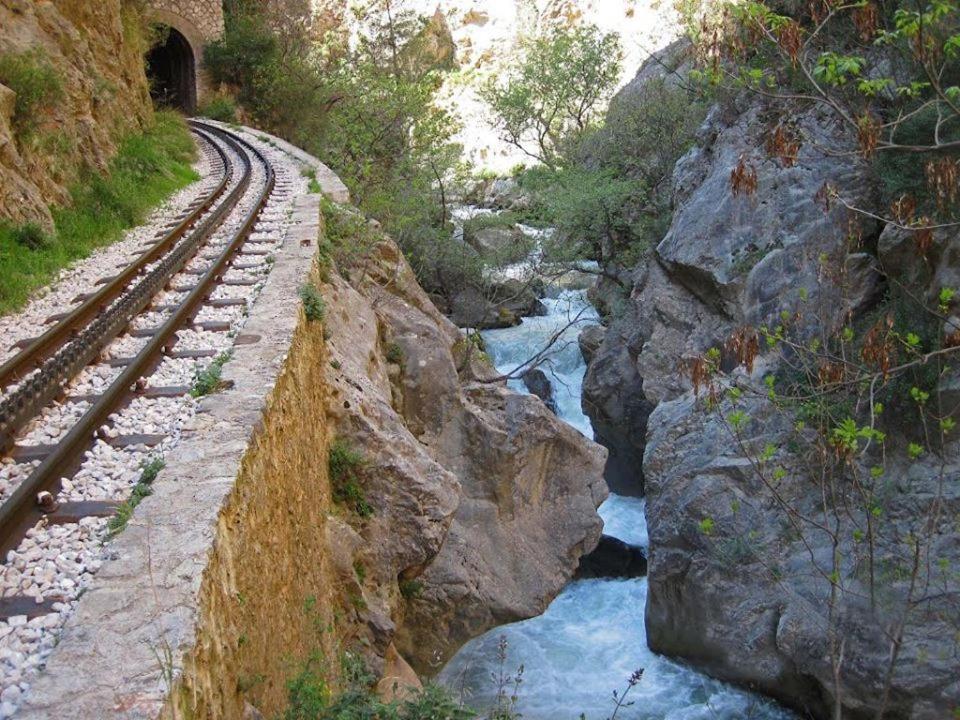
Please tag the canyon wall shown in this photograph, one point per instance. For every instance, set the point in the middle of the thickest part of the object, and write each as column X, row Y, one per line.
column 95, row 50
column 736, row 587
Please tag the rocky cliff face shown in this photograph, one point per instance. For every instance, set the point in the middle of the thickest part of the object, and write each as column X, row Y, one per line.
column 96, row 51
column 734, row 586
column 483, row 501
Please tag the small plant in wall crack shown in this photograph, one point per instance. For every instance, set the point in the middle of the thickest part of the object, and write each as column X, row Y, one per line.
column 410, row 588
column 394, row 353
column 344, row 464
column 144, row 487
column 313, row 305
column 209, row 380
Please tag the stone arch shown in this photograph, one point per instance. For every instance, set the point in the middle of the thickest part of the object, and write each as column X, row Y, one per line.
column 172, row 69
column 192, row 25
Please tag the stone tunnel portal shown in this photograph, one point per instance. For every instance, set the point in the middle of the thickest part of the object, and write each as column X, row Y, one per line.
column 172, row 70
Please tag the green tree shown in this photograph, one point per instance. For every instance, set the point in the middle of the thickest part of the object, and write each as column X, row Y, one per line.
column 548, row 97
column 364, row 104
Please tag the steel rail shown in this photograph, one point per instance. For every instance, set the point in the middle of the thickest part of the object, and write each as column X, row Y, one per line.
column 21, row 510
column 40, row 348
column 35, row 393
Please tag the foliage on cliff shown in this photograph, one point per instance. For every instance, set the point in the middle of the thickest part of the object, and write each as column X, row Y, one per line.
column 148, row 167
column 362, row 103
column 851, row 430
column 889, row 72
column 603, row 182
column 311, row 698
column 72, row 86
column 552, row 92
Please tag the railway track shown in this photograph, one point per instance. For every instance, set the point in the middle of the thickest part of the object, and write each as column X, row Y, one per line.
column 108, row 382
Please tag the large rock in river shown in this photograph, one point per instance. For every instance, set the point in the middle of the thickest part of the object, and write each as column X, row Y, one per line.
column 483, row 500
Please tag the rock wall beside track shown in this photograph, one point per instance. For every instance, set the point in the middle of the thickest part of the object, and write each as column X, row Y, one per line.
column 96, row 51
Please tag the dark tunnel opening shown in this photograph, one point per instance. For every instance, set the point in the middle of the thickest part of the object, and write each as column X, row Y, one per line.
column 172, row 71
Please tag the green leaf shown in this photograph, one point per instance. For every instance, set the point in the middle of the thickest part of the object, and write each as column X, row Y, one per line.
column 872, row 88
column 835, row 69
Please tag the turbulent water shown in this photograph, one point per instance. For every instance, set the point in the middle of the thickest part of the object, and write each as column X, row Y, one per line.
column 592, row 637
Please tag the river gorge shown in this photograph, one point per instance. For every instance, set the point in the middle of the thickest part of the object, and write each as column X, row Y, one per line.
column 592, row 636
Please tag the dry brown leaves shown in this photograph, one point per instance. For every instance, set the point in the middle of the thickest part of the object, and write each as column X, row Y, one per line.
column 743, row 178
column 903, row 209
column 942, row 178
column 783, row 143
column 700, row 371
column 790, row 37
column 868, row 135
column 879, row 346
column 830, row 373
column 865, row 19
column 745, row 346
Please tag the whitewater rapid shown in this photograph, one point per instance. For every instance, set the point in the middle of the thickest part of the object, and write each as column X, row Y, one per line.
column 592, row 636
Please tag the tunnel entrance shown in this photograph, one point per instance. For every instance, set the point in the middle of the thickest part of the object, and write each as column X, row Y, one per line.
column 172, row 70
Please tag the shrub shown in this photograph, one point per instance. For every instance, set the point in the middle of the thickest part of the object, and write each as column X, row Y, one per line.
column 310, row 698
column 552, row 93
column 314, row 306
column 30, row 236
column 373, row 120
column 410, row 588
column 37, row 85
column 394, row 354
column 344, row 464
column 220, row 107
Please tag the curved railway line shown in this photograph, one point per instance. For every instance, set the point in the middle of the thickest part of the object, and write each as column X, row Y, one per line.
column 136, row 330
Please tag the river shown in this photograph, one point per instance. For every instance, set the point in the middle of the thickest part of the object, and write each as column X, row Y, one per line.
column 592, row 636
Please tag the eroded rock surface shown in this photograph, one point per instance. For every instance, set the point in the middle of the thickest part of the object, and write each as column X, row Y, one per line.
column 483, row 500
column 95, row 50
column 733, row 586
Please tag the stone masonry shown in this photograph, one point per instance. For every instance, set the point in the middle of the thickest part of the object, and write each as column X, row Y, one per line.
column 199, row 21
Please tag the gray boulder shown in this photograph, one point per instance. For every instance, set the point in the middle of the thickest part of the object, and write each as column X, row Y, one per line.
column 748, row 598
column 537, row 382
column 746, row 255
column 589, row 340
column 614, row 400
